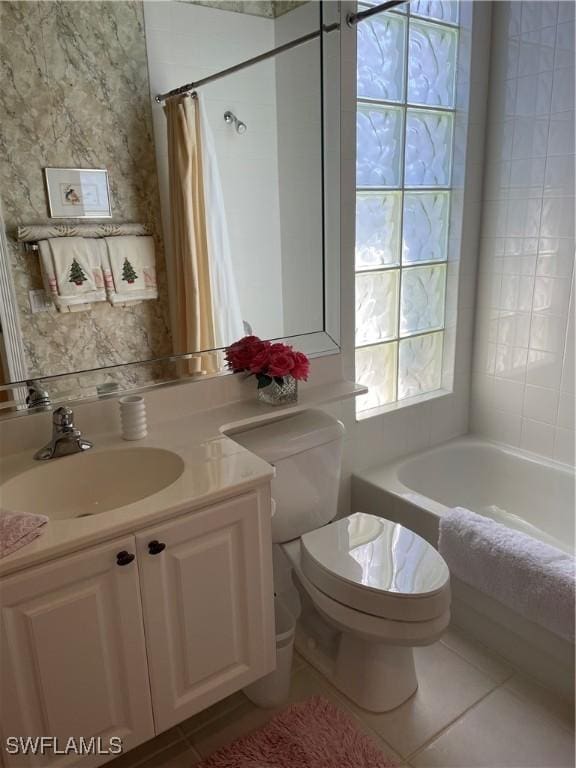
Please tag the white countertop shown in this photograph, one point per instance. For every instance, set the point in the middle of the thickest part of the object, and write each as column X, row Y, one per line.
column 216, row 467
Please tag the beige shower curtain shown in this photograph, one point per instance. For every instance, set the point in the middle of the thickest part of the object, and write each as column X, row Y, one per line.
column 194, row 325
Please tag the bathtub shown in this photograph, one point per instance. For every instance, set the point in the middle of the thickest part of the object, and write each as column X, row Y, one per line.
column 519, row 489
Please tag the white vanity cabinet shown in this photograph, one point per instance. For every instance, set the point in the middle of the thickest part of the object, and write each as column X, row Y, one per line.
column 73, row 658
column 208, row 606
column 132, row 636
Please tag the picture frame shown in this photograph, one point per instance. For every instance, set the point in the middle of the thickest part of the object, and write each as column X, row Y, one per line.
column 78, row 193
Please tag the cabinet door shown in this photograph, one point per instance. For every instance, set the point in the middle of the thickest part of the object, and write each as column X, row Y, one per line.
column 73, row 660
column 208, row 605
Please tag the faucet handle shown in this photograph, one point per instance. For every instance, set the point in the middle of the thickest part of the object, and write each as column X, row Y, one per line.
column 63, row 417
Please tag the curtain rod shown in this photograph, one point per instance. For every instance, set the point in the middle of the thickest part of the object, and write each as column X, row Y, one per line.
column 248, row 63
column 351, row 20
column 354, row 18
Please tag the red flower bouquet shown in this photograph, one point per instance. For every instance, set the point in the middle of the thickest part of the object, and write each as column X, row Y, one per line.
column 268, row 362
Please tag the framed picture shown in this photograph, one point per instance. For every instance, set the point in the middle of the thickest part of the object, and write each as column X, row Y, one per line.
column 78, row 193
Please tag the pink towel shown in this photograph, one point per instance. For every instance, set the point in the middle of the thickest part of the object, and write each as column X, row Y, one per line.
column 18, row 529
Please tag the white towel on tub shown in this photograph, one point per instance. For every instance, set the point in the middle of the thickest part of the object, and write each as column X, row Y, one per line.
column 130, row 269
column 533, row 578
column 72, row 272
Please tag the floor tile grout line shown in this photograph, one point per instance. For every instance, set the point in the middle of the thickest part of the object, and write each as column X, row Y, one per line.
column 227, row 715
column 342, row 699
column 330, row 690
column 192, row 747
column 439, row 733
column 372, row 731
column 185, row 741
column 180, row 737
column 513, row 671
column 358, row 716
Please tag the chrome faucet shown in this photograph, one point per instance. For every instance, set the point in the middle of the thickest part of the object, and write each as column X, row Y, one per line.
column 66, row 439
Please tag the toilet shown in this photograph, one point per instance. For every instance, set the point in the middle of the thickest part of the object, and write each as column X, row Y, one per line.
column 370, row 590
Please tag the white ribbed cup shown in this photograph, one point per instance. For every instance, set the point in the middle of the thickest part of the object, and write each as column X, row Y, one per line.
column 133, row 417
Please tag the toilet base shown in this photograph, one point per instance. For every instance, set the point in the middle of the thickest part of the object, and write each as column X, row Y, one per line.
column 375, row 676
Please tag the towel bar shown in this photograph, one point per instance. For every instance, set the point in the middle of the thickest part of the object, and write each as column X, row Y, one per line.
column 29, row 234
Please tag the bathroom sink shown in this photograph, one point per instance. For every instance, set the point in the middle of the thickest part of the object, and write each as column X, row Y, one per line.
column 90, row 483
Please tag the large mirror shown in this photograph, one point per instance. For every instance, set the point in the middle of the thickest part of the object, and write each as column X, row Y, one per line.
column 138, row 228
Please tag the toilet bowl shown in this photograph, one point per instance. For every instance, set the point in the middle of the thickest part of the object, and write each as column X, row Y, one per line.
column 371, row 590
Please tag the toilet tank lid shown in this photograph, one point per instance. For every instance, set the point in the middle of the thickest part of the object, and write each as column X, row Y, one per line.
column 290, row 435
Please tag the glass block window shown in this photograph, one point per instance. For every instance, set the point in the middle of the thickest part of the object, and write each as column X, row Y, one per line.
column 406, row 79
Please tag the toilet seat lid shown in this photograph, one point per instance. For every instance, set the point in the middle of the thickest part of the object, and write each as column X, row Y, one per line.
column 374, row 554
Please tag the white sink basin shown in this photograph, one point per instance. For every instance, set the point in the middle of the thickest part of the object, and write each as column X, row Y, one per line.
column 90, row 483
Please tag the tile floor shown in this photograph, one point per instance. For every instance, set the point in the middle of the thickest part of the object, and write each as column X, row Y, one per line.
column 471, row 710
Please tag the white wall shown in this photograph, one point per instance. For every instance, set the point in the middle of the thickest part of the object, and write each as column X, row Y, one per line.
column 299, row 121
column 523, row 378
column 382, row 438
column 187, row 42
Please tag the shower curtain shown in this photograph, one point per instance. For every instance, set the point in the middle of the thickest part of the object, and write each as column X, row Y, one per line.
column 225, row 298
column 206, row 299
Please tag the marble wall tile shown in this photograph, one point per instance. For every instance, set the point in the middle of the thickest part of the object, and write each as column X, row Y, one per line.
column 75, row 93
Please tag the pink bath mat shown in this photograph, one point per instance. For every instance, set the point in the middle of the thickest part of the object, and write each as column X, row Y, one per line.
column 312, row 734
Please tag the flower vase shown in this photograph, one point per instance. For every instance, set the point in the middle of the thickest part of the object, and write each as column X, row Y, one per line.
column 279, row 394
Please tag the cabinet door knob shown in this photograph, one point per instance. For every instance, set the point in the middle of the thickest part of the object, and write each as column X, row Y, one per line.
column 124, row 558
column 155, row 547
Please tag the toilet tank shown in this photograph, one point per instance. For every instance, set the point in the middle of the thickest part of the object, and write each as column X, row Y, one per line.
column 306, row 449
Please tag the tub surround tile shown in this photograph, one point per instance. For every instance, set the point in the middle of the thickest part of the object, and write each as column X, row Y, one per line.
column 566, row 411
column 564, row 445
column 504, row 731
column 508, row 394
column 540, row 404
column 497, row 425
column 529, row 207
column 544, row 369
column 547, row 332
column 537, row 437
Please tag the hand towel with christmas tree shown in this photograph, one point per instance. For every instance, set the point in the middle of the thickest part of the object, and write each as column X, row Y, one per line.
column 72, row 271
column 130, row 269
